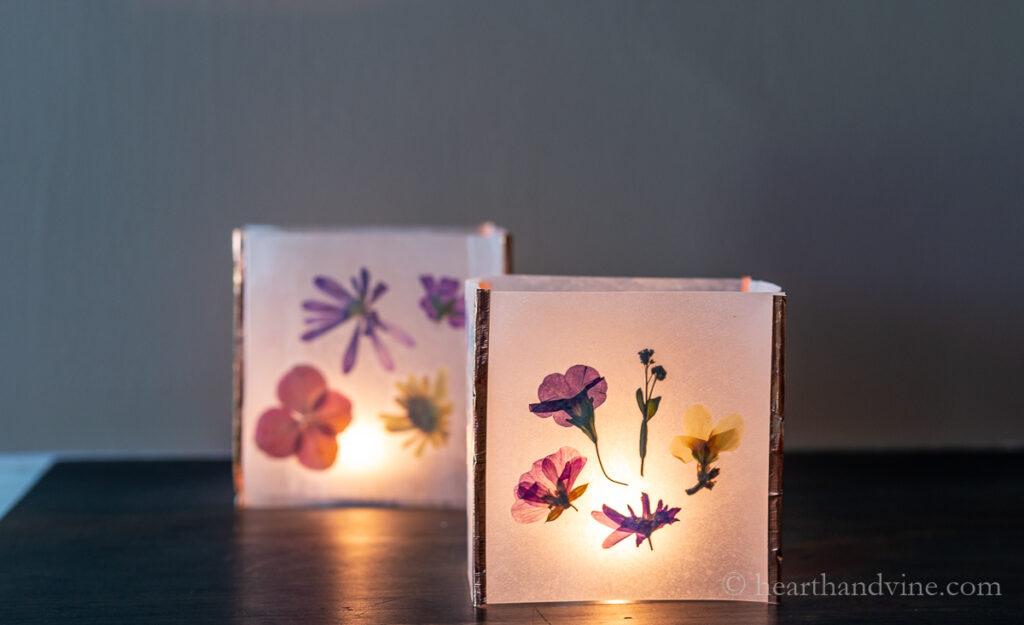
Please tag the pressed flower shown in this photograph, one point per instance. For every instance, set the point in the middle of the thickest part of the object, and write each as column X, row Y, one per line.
column 702, row 442
column 358, row 305
column 443, row 300
column 307, row 422
column 425, row 413
column 571, row 398
column 546, row 490
column 645, row 399
column 641, row 526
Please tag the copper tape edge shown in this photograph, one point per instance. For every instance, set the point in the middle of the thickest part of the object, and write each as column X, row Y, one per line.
column 506, row 249
column 238, row 279
column 480, row 355
column 776, row 446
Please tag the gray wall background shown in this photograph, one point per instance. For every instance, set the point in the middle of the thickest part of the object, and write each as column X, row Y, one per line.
column 865, row 155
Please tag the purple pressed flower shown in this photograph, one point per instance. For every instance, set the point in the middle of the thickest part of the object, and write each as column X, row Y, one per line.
column 443, row 299
column 643, row 526
column 571, row 398
column 356, row 305
column 564, row 396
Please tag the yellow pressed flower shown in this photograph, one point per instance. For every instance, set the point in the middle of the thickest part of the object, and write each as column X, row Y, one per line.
column 426, row 410
column 703, row 443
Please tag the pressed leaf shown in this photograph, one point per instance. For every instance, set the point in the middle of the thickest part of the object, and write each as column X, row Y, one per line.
column 554, row 514
column 640, row 401
column 643, row 438
column 652, row 406
column 576, row 492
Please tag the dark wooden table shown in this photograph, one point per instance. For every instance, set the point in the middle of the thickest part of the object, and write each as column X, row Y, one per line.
column 159, row 542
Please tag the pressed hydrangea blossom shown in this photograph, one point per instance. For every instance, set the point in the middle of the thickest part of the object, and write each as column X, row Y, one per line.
column 547, row 490
column 356, row 305
column 443, row 300
column 308, row 421
column 571, row 398
column 425, row 411
column 642, row 526
column 703, row 443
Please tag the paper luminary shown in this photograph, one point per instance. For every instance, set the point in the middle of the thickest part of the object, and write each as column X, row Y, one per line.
column 350, row 363
column 626, row 439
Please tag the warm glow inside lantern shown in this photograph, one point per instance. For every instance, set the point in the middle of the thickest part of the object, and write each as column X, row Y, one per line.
column 350, row 363
column 626, row 439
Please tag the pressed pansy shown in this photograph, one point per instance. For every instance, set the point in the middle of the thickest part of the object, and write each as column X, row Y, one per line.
column 443, row 300
column 307, row 422
column 702, row 442
column 570, row 398
column 425, row 410
column 358, row 305
column 546, row 490
column 641, row 526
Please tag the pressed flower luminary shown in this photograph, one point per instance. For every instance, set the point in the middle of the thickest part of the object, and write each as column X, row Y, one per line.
column 346, row 345
column 575, row 496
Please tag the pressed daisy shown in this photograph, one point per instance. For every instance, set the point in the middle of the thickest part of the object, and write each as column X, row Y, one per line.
column 359, row 305
column 641, row 526
column 426, row 409
column 547, row 490
column 702, row 442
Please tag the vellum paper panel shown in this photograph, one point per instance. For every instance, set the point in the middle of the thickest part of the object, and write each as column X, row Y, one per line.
column 716, row 348
column 373, row 464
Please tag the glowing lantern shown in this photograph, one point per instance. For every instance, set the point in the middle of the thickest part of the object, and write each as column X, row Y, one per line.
column 626, row 439
column 350, row 363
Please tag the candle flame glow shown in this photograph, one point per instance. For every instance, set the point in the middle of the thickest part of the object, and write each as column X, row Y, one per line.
column 362, row 446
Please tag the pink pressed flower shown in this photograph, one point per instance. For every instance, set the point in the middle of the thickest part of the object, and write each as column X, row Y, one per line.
column 547, row 490
column 308, row 421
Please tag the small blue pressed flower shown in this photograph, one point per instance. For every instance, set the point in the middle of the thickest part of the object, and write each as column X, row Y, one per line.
column 646, row 400
column 642, row 526
column 356, row 305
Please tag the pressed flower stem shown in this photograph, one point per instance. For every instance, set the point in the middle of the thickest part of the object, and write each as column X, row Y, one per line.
column 643, row 426
column 705, row 477
column 643, row 445
column 649, row 384
column 597, row 448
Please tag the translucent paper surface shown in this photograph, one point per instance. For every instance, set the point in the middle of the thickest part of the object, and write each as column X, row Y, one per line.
column 372, row 464
column 716, row 348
